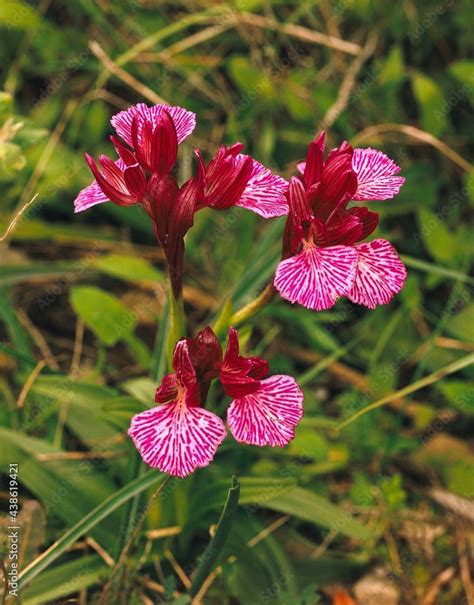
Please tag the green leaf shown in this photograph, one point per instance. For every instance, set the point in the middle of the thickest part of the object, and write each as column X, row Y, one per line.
column 18, row 335
column 462, row 325
column 67, row 489
column 463, row 71
column 103, row 313
column 393, row 69
column 85, row 402
column 130, row 268
column 441, row 244
column 12, row 159
column 459, row 393
column 15, row 14
column 88, row 522
column 66, row 579
column 210, row 557
column 14, row 274
column 422, row 265
column 431, row 103
column 6, row 105
column 250, row 79
column 304, row 504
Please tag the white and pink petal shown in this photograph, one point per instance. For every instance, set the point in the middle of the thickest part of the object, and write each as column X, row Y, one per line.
column 379, row 276
column 89, row 196
column 265, row 192
column 93, row 194
column 376, row 175
column 184, row 120
column 268, row 416
column 316, row 277
column 177, row 439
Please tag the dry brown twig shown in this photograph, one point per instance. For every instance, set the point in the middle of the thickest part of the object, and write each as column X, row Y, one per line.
column 298, row 31
column 443, row 578
column 5, row 238
column 348, row 83
column 415, row 133
column 123, row 75
column 464, row 566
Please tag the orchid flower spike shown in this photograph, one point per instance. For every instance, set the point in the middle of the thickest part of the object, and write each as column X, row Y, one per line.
column 147, row 145
column 324, row 256
column 179, row 435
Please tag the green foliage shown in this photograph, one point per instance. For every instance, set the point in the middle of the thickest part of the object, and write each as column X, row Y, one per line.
column 332, row 505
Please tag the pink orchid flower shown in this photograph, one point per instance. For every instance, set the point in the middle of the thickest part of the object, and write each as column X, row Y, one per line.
column 147, row 150
column 179, row 435
column 323, row 254
column 150, row 138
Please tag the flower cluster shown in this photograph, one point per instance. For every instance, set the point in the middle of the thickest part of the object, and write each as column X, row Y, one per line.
column 179, row 435
column 147, row 146
column 324, row 257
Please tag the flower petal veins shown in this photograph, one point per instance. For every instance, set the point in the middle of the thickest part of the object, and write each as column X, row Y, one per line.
column 317, row 277
column 184, row 120
column 268, row 416
column 177, row 439
column 379, row 276
column 376, row 178
column 89, row 196
column 93, row 194
column 265, row 192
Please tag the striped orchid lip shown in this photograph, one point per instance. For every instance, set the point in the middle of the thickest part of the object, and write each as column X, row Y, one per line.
column 179, row 435
column 324, row 256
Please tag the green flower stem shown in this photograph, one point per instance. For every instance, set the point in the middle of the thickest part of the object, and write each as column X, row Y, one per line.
column 254, row 306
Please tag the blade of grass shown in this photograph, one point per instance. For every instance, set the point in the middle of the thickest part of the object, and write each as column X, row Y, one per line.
column 87, row 523
column 422, row 265
column 311, row 374
column 210, row 556
column 455, row 366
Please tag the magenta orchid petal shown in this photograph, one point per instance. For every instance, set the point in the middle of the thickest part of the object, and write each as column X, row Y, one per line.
column 177, row 439
column 379, row 276
column 268, row 416
column 301, row 167
column 265, row 192
column 317, row 277
column 376, row 178
column 93, row 194
column 184, row 120
column 89, row 196
column 135, row 181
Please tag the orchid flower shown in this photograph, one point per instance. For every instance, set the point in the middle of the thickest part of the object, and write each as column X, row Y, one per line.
column 147, row 146
column 324, row 256
column 179, row 435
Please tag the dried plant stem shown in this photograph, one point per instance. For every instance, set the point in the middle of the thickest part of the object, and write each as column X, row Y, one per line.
column 297, row 31
column 348, row 83
column 123, row 75
column 414, row 133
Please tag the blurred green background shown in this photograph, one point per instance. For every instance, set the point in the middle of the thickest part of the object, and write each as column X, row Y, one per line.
column 380, row 505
